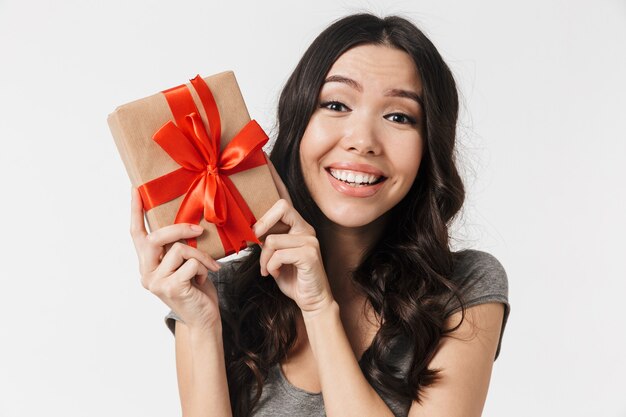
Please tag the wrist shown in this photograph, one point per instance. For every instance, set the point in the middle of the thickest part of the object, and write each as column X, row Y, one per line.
column 322, row 324
column 326, row 308
column 210, row 337
column 211, row 326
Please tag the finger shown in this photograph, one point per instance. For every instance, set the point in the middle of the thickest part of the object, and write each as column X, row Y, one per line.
column 280, row 185
column 274, row 264
column 303, row 258
column 137, row 225
column 278, row 229
column 266, row 254
column 174, row 233
column 148, row 256
column 190, row 269
column 283, row 257
column 179, row 253
column 201, row 279
column 282, row 211
column 151, row 250
column 206, row 285
column 277, row 242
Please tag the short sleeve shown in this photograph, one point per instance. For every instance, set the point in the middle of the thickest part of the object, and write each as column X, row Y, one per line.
column 481, row 279
column 216, row 277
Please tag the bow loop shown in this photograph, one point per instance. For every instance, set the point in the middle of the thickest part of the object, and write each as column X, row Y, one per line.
column 180, row 147
column 245, row 150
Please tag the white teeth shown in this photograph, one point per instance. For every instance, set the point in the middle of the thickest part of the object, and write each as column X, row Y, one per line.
column 354, row 178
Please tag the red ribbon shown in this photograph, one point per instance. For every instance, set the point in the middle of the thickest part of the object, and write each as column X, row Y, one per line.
column 203, row 176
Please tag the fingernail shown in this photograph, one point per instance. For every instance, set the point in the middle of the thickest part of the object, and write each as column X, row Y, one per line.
column 196, row 228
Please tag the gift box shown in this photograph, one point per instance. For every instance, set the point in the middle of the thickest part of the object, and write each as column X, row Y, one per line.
column 196, row 157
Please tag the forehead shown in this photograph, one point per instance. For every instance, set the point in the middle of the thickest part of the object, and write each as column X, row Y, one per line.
column 378, row 66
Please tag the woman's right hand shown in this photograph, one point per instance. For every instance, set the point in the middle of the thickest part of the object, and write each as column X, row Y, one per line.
column 178, row 276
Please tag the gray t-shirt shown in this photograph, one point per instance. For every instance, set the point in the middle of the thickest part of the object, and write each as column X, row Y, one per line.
column 482, row 280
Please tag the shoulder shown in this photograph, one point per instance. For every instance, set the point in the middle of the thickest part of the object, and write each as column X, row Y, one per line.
column 479, row 274
column 481, row 279
column 473, row 260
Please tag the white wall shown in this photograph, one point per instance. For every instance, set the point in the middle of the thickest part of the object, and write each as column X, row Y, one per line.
column 542, row 135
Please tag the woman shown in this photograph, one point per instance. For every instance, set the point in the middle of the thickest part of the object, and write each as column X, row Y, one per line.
column 358, row 306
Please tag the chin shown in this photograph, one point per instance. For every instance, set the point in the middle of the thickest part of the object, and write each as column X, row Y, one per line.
column 350, row 219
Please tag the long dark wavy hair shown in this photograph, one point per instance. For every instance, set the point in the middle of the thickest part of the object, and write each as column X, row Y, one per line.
column 405, row 275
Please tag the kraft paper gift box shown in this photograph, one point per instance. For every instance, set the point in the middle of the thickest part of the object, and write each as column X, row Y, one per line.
column 183, row 149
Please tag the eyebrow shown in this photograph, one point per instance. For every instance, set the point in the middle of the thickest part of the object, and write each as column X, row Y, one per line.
column 395, row 92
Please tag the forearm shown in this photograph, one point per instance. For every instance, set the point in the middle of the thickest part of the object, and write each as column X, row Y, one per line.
column 345, row 390
column 209, row 387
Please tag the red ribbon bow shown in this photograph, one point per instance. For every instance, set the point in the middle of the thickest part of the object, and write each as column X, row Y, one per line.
column 203, row 176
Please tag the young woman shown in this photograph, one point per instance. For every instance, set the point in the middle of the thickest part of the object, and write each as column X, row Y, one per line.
column 357, row 307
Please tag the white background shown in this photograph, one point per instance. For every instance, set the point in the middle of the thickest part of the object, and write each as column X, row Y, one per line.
column 542, row 139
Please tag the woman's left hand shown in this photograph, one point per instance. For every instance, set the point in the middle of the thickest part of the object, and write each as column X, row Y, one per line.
column 293, row 258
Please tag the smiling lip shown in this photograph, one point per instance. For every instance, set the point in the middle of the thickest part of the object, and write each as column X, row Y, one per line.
column 360, row 191
column 350, row 166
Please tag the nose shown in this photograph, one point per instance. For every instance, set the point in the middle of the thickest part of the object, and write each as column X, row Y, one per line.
column 363, row 138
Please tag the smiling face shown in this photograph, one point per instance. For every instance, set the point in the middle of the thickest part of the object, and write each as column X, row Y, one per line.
column 363, row 145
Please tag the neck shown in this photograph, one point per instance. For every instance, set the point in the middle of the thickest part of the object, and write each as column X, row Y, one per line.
column 343, row 249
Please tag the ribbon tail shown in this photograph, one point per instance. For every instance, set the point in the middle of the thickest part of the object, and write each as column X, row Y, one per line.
column 238, row 230
column 236, row 197
column 191, row 208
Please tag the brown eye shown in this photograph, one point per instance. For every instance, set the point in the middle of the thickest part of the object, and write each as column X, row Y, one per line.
column 333, row 105
column 401, row 118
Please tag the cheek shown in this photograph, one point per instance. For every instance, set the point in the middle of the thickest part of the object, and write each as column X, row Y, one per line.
column 316, row 142
column 309, row 157
column 407, row 158
column 407, row 166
